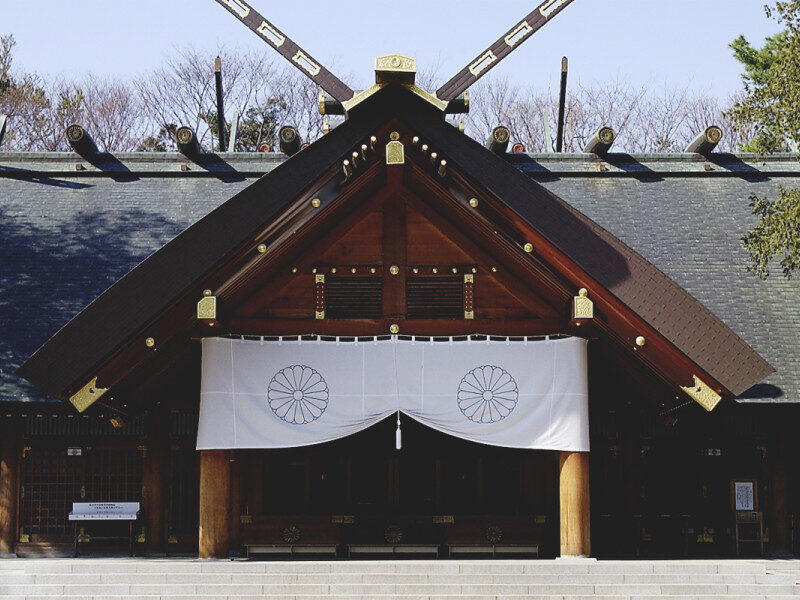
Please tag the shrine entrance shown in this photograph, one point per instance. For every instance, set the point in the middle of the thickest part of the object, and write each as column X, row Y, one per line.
column 437, row 496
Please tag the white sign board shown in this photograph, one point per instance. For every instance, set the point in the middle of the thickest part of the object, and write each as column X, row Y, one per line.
column 744, row 495
column 104, row 511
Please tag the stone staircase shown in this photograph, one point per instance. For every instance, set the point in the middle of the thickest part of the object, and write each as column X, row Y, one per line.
column 176, row 579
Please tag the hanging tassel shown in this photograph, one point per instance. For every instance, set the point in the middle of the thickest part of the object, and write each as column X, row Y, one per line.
column 398, row 435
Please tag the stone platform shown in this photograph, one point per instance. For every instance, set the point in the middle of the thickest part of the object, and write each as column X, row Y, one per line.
column 179, row 579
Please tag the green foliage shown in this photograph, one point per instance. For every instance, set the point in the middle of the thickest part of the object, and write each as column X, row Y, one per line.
column 777, row 233
column 771, row 107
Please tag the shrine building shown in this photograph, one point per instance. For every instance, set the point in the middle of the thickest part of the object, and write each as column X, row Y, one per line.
column 396, row 342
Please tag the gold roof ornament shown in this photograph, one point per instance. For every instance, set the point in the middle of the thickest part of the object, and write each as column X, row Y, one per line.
column 395, row 68
column 87, row 395
column 702, row 394
column 395, row 153
column 582, row 306
column 207, row 307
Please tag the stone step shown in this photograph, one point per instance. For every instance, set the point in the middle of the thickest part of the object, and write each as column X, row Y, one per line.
column 396, row 597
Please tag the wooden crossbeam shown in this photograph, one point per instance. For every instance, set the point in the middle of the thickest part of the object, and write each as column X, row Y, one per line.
column 488, row 59
column 301, row 59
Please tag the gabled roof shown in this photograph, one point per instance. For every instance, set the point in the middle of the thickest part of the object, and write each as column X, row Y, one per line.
column 150, row 288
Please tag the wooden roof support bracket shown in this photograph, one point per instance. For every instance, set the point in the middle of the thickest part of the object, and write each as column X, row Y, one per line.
column 702, row 394
column 87, row 395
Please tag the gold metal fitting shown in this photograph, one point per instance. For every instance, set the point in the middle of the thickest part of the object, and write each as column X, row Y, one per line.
column 394, row 136
column 640, row 341
column 414, row 141
column 415, row 270
column 261, row 248
column 333, row 269
column 455, row 270
column 372, row 270
column 315, row 202
column 314, row 270
column 207, row 293
column 149, row 342
column 494, row 269
column 473, row 202
column 353, row 270
column 435, row 269
column 394, row 269
column 294, row 269
column 528, row 247
column 394, row 328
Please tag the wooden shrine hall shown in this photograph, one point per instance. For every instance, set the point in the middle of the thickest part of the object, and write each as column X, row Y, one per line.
column 395, row 342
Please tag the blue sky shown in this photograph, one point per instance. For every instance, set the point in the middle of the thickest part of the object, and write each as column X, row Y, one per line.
column 669, row 42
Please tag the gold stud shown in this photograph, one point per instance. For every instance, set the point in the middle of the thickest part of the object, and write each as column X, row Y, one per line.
column 315, row 202
column 415, row 269
column 207, row 293
column 394, row 328
column 314, row 270
column 261, row 248
column 414, row 141
column 372, row 270
column 640, row 341
column 394, row 136
column 149, row 342
column 394, row 269
column 494, row 269
column 474, row 270
column 455, row 270
column 473, row 202
column 435, row 270
column 583, row 292
column 528, row 247
column 353, row 270
column 294, row 269
column 333, row 270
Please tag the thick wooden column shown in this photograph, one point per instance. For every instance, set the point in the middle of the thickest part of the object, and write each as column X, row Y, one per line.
column 215, row 507
column 8, row 484
column 236, row 501
column 574, row 493
column 154, row 481
column 779, row 540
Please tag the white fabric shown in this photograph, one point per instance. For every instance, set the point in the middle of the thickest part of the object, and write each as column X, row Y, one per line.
column 280, row 394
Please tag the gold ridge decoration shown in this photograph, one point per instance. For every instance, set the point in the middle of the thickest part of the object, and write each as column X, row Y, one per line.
column 87, row 395
column 519, row 33
column 482, row 63
column 308, row 65
column 269, row 33
column 395, row 153
column 395, row 68
column 207, row 306
column 360, row 97
column 702, row 394
column 582, row 306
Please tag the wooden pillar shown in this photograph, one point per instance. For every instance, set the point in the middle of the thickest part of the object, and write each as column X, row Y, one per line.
column 215, row 499
column 236, row 501
column 8, row 484
column 779, row 538
column 255, row 483
column 154, row 481
column 574, row 493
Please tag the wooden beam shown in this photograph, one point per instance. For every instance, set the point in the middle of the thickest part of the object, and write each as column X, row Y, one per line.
column 425, row 327
column 574, row 494
column 236, row 500
column 215, row 499
column 394, row 251
column 9, row 460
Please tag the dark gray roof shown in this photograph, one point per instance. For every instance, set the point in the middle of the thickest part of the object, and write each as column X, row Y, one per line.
column 68, row 234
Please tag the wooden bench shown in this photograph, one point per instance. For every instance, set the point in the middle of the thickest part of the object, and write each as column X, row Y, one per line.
column 494, row 535
column 103, row 511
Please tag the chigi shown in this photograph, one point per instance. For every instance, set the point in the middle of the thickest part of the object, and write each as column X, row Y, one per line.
column 394, row 231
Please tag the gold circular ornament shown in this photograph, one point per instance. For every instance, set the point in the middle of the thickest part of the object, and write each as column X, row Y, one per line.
column 394, row 328
column 294, row 269
column 315, row 202
column 353, row 270
column 333, row 270
column 395, row 62
column 149, row 342
column 372, row 270
column 473, row 202
column 207, row 293
column 528, row 247
column 261, row 248
column 394, row 269
column 394, row 136
column 583, row 292
column 435, row 270
column 640, row 341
